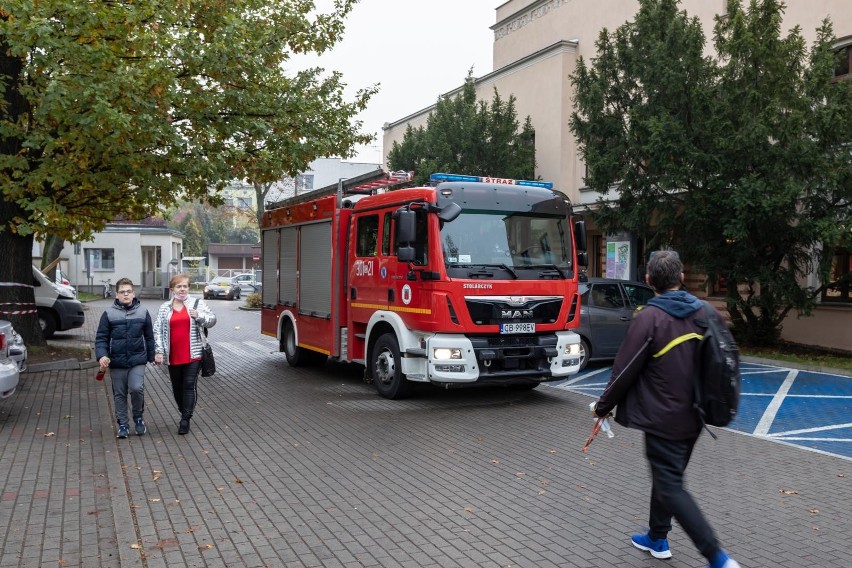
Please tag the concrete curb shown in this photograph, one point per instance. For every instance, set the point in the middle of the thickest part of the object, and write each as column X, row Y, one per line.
column 63, row 365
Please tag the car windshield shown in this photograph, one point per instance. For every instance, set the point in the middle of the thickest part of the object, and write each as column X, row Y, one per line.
column 516, row 240
column 221, row 281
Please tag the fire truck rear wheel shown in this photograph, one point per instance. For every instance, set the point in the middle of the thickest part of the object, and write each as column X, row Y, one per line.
column 386, row 368
column 296, row 356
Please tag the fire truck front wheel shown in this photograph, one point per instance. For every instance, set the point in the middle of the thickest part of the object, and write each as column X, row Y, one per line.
column 386, row 368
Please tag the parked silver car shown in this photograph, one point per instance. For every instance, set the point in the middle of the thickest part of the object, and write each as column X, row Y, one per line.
column 9, row 373
column 606, row 307
column 18, row 350
column 247, row 282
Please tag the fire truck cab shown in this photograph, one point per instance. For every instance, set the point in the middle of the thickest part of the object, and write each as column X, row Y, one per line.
column 467, row 281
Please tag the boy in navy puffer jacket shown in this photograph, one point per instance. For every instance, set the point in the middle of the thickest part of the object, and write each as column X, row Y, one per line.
column 124, row 342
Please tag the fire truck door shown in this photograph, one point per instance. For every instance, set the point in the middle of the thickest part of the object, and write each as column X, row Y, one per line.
column 409, row 292
column 368, row 289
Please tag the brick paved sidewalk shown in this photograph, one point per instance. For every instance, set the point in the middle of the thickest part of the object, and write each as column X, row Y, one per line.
column 308, row 467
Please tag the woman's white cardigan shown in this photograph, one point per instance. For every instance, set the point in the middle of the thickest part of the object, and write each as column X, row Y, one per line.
column 206, row 318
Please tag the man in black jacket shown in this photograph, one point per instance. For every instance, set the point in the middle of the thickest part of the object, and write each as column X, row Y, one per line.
column 124, row 342
column 653, row 386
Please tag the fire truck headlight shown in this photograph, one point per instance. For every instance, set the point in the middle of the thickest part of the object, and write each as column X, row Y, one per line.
column 444, row 353
column 573, row 349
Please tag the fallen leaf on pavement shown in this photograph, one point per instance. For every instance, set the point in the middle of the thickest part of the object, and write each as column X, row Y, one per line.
column 157, row 474
column 788, row 491
column 49, row 434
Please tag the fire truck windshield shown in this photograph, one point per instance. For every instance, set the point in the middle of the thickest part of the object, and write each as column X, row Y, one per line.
column 513, row 241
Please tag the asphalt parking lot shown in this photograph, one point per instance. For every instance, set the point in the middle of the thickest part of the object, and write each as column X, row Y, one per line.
column 309, row 467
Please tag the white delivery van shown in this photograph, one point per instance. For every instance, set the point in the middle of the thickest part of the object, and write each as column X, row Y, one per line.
column 58, row 310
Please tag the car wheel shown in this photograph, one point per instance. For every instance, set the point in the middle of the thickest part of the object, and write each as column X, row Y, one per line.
column 47, row 323
column 386, row 369
column 585, row 353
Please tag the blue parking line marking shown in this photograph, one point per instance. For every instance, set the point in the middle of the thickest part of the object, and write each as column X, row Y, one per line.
column 807, row 409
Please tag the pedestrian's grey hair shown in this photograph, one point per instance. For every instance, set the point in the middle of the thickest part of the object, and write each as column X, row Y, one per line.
column 664, row 270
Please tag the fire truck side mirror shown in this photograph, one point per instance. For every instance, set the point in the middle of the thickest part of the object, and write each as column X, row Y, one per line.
column 406, row 226
column 580, row 235
column 405, row 253
column 449, row 212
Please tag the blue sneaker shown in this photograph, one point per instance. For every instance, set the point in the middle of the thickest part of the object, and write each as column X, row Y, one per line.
column 658, row 548
column 722, row 560
column 123, row 431
column 140, row 427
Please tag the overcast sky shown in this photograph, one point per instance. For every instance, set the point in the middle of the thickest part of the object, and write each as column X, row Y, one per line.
column 415, row 50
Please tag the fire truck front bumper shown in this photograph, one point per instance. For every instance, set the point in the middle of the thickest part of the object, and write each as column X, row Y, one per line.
column 458, row 359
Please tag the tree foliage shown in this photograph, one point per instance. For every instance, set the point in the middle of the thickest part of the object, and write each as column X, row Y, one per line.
column 740, row 161
column 466, row 136
column 117, row 108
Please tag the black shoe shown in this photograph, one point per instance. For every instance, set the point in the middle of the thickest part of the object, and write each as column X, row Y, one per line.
column 184, row 426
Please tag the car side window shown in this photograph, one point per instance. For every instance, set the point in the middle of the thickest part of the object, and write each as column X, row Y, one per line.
column 606, row 296
column 638, row 295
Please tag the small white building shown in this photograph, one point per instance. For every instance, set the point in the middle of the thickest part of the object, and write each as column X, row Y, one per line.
column 147, row 254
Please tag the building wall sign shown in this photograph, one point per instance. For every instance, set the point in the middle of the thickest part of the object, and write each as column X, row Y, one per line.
column 540, row 10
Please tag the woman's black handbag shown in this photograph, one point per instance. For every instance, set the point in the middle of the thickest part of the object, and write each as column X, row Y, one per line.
column 208, row 364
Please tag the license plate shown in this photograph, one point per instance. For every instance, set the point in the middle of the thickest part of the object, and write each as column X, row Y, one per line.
column 517, row 328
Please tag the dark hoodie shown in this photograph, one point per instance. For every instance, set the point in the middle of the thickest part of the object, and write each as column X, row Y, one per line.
column 654, row 391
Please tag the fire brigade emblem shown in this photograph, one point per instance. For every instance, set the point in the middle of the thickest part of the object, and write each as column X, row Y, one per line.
column 384, row 272
column 406, row 294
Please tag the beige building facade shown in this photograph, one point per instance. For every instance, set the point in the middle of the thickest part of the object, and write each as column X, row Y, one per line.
column 537, row 44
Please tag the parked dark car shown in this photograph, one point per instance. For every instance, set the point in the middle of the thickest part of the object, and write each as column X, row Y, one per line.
column 222, row 287
column 606, row 307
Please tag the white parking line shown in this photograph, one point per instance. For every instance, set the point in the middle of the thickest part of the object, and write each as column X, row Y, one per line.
column 809, row 430
column 762, row 428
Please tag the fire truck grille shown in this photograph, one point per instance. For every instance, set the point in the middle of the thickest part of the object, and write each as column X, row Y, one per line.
column 514, row 356
column 492, row 312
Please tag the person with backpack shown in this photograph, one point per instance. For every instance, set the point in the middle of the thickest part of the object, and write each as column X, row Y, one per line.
column 124, row 343
column 653, row 386
column 177, row 336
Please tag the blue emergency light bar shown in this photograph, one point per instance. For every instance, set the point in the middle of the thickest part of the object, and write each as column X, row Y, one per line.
column 436, row 178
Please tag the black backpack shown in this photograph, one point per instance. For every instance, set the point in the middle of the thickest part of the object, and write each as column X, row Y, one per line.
column 718, row 380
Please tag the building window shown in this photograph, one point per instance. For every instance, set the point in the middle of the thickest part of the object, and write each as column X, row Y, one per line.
column 844, row 62
column 102, row 260
column 368, row 235
column 243, row 203
column 304, row 182
column 841, row 272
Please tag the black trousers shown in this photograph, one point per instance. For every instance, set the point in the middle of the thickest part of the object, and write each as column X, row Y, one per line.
column 184, row 380
column 668, row 460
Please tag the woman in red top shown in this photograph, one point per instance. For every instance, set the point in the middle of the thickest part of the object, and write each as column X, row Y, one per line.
column 177, row 337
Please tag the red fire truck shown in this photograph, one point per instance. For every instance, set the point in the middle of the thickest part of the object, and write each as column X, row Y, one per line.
column 467, row 281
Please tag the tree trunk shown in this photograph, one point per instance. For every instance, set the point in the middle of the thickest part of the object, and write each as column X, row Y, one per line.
column 53, row 246
column 17, row 295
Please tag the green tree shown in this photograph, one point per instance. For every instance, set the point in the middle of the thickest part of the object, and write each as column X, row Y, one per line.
column 117, row 108
column 741, row 162
column 468, row 137
column 193, row 244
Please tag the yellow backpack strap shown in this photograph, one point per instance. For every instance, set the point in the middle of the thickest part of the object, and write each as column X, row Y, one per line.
column 677, row 341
